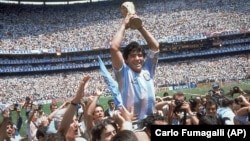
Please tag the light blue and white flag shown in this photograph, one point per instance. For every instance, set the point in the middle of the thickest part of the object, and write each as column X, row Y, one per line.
column 112, row 84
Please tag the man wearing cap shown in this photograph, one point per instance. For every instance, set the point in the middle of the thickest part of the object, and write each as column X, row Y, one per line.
column 217, row 90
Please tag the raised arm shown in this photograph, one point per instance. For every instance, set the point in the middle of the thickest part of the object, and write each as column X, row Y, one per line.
column 71, row 109
column 152, row 42
column 116, row 55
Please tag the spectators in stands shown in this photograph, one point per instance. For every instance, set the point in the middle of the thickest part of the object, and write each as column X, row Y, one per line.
column 57, row 31
column 185, row 18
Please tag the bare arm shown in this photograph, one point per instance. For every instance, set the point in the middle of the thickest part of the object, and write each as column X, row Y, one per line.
column 152, row 42
column 243, row 111
column 116, row 55
column 70, row 112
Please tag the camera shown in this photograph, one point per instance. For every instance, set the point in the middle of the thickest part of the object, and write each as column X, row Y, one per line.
column 201, row 114
column 236, row 89
column 178, row 104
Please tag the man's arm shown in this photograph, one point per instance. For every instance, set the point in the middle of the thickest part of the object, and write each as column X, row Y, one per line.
column 116, row 55
column 152, row 42
column 71, row 109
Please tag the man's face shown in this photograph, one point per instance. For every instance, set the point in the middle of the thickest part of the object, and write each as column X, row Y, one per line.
column 111, row 105
column 98, row 114
column 107, row 133
column 135, row 61
column 211, row 109
column 10, row 131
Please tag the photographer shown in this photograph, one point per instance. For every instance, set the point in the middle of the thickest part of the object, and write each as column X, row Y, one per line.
column 209, row 116
column 216, row 89
column 180, row 112
column 163, row 105
column 188, row 116
column 238, row 90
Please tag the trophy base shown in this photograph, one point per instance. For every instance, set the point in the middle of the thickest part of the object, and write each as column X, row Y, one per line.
column 135, row 23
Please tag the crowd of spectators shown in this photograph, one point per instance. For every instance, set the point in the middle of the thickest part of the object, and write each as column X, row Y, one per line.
column 79, row 26
column 60, row 85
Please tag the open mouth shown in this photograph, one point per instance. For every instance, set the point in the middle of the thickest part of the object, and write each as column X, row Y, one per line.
column 9, row 133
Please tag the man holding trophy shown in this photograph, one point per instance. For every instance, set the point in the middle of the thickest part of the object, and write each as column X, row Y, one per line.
column 134, row 69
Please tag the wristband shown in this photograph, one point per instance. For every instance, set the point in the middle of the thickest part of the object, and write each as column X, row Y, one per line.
column 127, row 125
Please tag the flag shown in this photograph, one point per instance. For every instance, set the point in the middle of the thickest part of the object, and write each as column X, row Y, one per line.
column 112, row 84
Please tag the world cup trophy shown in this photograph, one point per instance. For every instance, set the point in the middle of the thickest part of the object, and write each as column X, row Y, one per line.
column 129, row 8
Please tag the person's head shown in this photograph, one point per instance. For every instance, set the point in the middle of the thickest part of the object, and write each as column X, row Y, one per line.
column 179, row 96
column 165, row 94
column 53, row 107
column 154, row 119
column 98, row 113
column 27, row 99
column 10, row 129
column 104, row 130
column 73, row 130
column 195, row 104
column 215, row 86
column 33, row 115
column 227, row 101
column 211, row 107
column 133, row 55
column 216, row 89
column 203, row 100
column 111, row 104
column 41, row 133
column 124, row 135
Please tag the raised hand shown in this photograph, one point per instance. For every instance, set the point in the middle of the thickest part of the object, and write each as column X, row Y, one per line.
column 81, row 88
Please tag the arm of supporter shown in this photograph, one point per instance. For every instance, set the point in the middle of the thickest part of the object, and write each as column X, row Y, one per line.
column 88, row 116
column 124, row 118
column 95, row 99
column 70, row 112
column 243, row 100
column 243, row 111
column 241, row 91
column 194, row 118
column 116, row 55
column 159, row 105
column 171, row 112
column 51, row 115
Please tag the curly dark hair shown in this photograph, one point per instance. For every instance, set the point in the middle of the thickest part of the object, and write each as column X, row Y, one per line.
column 100, row 126
column 133, row 46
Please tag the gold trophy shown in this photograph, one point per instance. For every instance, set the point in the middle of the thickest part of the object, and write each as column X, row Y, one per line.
column 128, row 7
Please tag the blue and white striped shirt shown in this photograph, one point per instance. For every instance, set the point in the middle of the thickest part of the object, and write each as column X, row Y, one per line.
column 137, row 89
